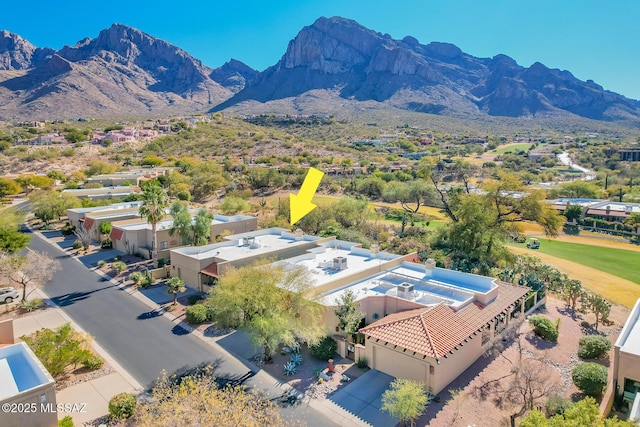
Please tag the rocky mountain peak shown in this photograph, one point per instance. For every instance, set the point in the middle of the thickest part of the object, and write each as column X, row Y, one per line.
column 234, row 75
column 16, row 53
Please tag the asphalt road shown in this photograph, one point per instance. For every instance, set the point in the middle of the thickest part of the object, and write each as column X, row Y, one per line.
column 143, row 343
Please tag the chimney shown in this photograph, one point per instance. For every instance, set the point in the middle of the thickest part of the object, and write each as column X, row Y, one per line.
column 430, row 264
column 375, row 248
column 299, row 234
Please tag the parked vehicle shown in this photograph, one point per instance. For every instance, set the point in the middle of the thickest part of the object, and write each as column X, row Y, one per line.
column 533, row 244
column 8, row 294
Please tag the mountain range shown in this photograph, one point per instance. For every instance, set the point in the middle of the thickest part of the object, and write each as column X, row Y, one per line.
column 334, row 61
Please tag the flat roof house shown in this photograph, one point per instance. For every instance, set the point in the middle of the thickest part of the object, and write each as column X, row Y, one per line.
column 77, row 216
column 103, row 192
column 135, row 235
column 26, row 382
column 134, row 176
column 626, row 360
column 200, row 265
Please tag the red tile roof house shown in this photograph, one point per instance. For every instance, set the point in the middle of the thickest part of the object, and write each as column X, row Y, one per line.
column 430, row 324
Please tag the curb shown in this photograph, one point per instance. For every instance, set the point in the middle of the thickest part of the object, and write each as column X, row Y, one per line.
column 325, row 406
column 97, row 347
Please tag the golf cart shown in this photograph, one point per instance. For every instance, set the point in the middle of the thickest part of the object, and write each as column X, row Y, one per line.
column 533, row 243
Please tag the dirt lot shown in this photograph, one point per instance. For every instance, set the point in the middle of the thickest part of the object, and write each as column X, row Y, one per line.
column 482, row 401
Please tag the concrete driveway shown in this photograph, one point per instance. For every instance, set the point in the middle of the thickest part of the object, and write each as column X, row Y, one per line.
column 363, row 398
column 158, row 293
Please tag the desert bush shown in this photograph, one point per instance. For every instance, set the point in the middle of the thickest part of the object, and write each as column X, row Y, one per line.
column 593, row 346
column 590, row 378
column 58, row 349
column 362, row 363
column 544, row 328
column 196, row 314
column 119, row 266
column 192, row 299
column 147, row 280
column 106, row 243
column 93, row 362
column 77, row 244
column 30, row 305
column 121, row 406
column 161, row 262
column 67, row 421
column 325, row 349
column 67, row 230
column 137, row 277
column 102, row 263
column 556, row 405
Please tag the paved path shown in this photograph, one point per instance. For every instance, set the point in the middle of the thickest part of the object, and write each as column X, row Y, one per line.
column 92, row 396
column 145, row 345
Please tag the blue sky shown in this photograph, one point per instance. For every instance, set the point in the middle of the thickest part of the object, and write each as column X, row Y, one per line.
column 598, row 40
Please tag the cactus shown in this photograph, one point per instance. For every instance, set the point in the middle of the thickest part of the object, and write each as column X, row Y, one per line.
column 296, row 359
column 290, row 368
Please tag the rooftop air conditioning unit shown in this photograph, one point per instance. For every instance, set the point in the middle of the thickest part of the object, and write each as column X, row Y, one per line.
column 340, row 263
column 405, row 290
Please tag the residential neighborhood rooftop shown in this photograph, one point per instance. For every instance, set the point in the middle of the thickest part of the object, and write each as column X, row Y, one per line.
column 423, row 285
column 437, row 330
column 113, row 207
column 629, row 339
column 335, row 259
column 20, row 370
column 244, row 245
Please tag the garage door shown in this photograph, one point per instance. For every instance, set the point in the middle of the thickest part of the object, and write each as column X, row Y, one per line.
column 398, row 364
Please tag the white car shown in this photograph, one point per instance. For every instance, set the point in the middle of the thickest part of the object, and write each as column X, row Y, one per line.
column 8, row 294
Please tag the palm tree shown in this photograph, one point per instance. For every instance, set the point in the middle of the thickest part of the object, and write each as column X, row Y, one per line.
column 154, row 203
column 175, row 285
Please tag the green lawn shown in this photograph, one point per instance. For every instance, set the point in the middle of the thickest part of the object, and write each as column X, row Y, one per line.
column 619, row 262
column 513, row 148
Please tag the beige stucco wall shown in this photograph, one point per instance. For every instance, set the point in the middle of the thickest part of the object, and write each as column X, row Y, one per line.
column 6, row 331
column 74, row 218
column 187, row 268
column 37, row 418
column 455, row 364
column 235, row 227
column 626, row 366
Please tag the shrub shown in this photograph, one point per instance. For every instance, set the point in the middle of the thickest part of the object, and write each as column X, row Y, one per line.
column 67, row 421
column 362, row 363
column 119, row 266
column 68, row 230
column 77, row 244
column 590, row 378
column 325, row 349
column 593, row 346
column 93, row 362
column 211, row 313
column 137, row 277
column 30, row 305
column 196, row 314
column 544, row 328
column 147, row 280
column 556, row 405
column 192, row 299
column 101, row 263
column 58, row 349
column 121, row 406
column 161, row 262
column 107, row 243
